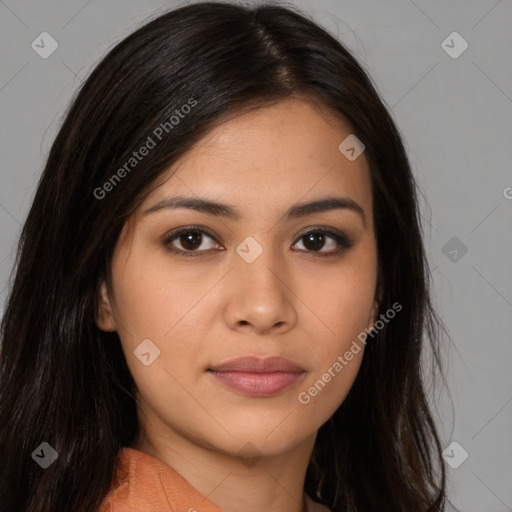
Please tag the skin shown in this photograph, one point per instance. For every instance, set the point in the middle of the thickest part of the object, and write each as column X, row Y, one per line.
column 201, row 311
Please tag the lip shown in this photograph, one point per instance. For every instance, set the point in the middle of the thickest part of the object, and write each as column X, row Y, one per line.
column 257, row 377
column 255, row 364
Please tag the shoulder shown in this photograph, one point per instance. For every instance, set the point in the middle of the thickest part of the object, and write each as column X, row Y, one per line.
column 142, row 482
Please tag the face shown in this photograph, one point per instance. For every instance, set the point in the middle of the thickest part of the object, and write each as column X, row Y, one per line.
column 194, row 288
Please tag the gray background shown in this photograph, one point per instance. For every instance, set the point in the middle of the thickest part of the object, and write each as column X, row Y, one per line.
column 455, row 115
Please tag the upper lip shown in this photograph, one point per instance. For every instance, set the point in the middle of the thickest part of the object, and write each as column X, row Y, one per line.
column 258, row 365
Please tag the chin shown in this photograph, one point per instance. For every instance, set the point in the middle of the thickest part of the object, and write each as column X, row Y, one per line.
column 264, row 439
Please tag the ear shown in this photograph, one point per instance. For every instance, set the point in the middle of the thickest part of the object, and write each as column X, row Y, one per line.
column 376, row 304
column 375, row 310
column 104, row 316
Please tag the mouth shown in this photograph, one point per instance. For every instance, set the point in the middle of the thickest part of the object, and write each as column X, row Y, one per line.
column 258, row 377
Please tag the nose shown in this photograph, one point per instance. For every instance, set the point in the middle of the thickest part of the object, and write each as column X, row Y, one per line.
column 261, row 297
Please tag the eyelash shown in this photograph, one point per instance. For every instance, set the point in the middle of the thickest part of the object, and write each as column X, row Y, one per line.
column 343, row 242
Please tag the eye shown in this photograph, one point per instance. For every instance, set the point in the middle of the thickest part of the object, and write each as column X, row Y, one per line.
column 316, row 239
column 190, row 239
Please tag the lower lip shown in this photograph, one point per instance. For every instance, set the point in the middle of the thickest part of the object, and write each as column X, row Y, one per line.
column 257, row 384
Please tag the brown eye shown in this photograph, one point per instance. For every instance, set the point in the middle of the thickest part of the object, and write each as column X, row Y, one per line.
column 188, row 241
column 191, row 241
column 315, row 240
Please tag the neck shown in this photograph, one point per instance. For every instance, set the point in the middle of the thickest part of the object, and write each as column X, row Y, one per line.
column 269, row 482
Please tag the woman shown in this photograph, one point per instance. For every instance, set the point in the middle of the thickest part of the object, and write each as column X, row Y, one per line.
column 221, row 288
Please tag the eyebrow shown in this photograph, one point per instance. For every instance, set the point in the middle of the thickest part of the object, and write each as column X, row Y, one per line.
column 227, row 211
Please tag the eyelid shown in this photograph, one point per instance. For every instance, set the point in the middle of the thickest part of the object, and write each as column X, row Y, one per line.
column 170, row 236
column 344, row 242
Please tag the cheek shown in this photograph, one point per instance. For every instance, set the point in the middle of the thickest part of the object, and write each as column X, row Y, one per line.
column 153, row 304
column 338, row 352
column 343, row 307
column 323, row 394
column 150, row 300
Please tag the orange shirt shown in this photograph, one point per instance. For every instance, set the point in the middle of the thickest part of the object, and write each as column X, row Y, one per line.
column 143, row 483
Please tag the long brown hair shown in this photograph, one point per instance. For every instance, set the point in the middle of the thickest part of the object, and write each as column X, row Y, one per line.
column 65, row 382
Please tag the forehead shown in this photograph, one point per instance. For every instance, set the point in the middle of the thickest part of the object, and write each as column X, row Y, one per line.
column 270, row 156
